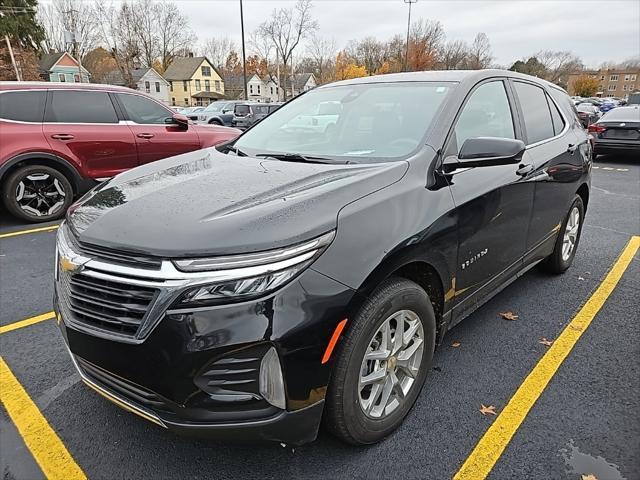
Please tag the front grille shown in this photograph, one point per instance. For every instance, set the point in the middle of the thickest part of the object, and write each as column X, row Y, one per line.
column 118, row 385
column 110, row 255
column 107, row 305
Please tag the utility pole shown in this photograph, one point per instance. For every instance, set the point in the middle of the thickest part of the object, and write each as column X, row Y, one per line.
column 244, row 60
column 13, row 59
column 406, row 56
column 76, row 43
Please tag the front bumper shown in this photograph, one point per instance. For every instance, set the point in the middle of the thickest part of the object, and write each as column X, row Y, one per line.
column 196, row 371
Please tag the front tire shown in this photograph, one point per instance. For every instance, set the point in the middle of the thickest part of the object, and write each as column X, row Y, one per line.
column 568, row 238
column 379, row 372
column 36, row 193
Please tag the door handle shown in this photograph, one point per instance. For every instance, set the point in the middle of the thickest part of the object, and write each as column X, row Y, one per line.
column 62, row 136
column 146, row 135
column 524, row 170
column 572, row 148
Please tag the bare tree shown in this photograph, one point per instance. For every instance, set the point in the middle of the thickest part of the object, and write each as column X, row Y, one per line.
column 323, row 52
column 73, row 16
column 480, row 54
column 286, row 28
column 369, row 52
column 147, row 16
column 174, row 32
column 558, row 65
column 454, row 55
column 217, row 50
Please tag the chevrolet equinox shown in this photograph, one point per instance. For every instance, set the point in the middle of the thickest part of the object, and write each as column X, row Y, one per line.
column 298, row 276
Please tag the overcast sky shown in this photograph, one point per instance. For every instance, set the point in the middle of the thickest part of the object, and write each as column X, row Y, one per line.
column 597, row 31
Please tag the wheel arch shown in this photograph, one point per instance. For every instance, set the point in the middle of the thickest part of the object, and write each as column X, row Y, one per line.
column 43, row 158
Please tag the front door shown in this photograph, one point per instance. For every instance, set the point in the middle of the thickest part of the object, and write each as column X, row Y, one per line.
column 493, row 204
column 83, row 127
column 155, row 133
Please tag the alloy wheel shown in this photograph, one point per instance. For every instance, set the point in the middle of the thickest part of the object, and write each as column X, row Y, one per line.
column 571, row 234
column 391, row 364
column 40, row 194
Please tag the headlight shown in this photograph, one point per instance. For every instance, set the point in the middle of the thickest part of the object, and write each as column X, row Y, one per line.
column 249, row 276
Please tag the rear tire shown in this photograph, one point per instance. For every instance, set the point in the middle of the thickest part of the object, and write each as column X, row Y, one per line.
column 568, row 239
column 37, row 193
column 359, row 412
column 215, row 122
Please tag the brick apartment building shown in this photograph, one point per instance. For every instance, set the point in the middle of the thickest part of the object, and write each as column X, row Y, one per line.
column 613, row 83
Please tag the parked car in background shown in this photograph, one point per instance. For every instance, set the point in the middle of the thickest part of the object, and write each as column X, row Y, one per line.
column 58, row 140
column 297, row 276
column 246, row 115
column 216, row 113
column 607, row 105
column 588, row 113
column 617, row 131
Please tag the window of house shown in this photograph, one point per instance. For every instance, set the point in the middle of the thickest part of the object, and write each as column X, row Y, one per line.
column 217, row 84
column 207, row 85
column 62, row 77
column 626, row 78
column 158, row 87
column 80, row 107
column 173, row 101
column 535, row 110
column 206, row 71
column 186, row 101
column 24, row 106
column 147, row 87
column 613, row 78
column 76, row 78
column 601, row 77
column 624, row 87
column 258, row 89
column 184, row 85
column 486, row 114
column 198, row 85
column 271, row 90
column 612, row 88
column 633, row 78
column 171, row 86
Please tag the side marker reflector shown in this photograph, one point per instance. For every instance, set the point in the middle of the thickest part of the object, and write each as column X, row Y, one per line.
column 333, row 341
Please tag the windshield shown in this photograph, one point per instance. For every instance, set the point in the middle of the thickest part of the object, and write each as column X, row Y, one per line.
column 382, row 121
column 215, row 107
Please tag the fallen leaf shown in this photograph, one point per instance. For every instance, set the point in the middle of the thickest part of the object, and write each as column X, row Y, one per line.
column 509, row 316
column 580, row 278
column 546, row 342
column 490, row 410
column 590, row 476
column 437, row 369
column 455, row 344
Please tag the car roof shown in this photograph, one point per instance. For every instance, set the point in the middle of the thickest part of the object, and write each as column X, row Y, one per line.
column 61, row 86
column 459, row 76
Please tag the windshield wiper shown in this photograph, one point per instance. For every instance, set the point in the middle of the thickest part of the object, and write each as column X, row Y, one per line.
column 295, row 157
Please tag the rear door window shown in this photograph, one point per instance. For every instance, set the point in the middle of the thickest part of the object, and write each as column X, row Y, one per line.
column 241, row 109
column 556, row 117
column 535, row 112
column 25, row 106
column 72, row 106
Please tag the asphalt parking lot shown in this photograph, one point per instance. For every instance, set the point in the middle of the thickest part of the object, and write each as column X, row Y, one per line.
column 586, row 420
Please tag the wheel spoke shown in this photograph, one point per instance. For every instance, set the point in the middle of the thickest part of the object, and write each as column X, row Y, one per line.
column 410, row 332
column 408, row 353
column 397, row 386
column 376, row 390
column 398, row 336
column 377, row 355
column 373, row 377
column 386, row 336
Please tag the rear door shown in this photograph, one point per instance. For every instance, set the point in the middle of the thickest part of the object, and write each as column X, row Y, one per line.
column 493, row 204
column 83, row 127
column 156, row 135
column 553, row 153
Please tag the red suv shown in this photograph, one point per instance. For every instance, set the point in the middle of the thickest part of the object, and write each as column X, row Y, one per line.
column 57, row 140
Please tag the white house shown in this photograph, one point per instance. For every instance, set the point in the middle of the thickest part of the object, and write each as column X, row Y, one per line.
column 147, row 80
column 266, row 89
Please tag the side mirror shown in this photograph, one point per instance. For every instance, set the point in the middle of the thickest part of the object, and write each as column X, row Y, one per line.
column 486, row 152
column 181, row 120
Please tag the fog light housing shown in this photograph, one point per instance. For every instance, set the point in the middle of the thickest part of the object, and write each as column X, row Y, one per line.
column 271, row 381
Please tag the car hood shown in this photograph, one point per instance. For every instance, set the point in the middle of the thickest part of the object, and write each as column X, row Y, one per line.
column 209, row 203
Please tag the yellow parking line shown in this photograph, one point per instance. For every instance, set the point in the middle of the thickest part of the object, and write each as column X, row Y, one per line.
column 50, row 228
column 44, row 444
column 26, row 322
column 490, row 447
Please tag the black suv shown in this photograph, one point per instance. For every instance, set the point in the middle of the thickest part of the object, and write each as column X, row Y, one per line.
column 251, row 289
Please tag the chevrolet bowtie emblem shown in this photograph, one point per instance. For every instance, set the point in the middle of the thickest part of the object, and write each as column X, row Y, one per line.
column 69, row 265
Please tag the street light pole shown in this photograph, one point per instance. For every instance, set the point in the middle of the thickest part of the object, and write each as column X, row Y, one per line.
column 406, row 56
column 244, row 60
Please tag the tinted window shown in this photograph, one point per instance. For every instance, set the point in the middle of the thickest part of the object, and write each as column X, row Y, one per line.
column 558, row 122
column 241, row 109
column 537, row 118
column 144, row 111
column 486, row 114
column 22, row 106
column 80, row 107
